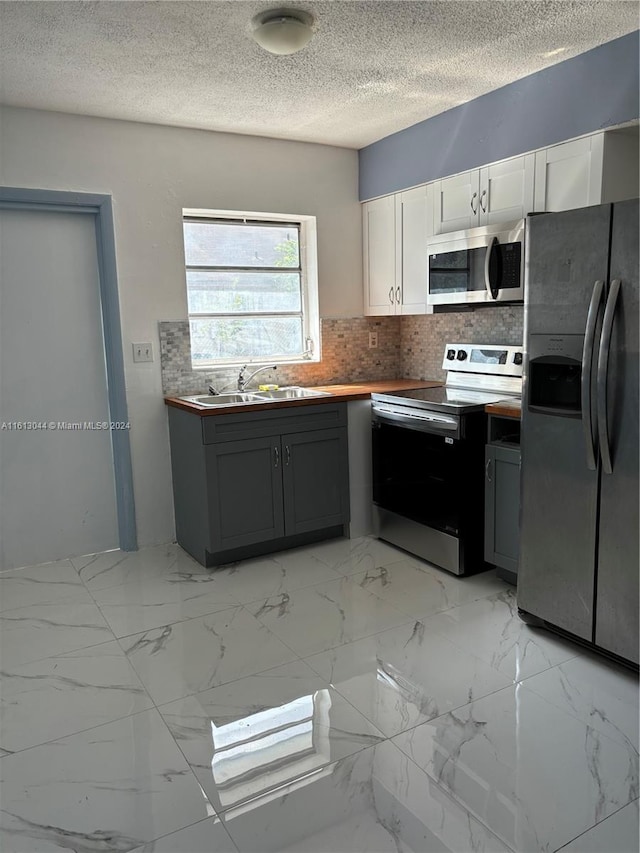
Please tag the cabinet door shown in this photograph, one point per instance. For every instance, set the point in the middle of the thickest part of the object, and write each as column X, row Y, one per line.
column 379, row 243
column 456, row 202
column 316, row 480
column 506, row 190
column 414, row 225
column 568, row 176
column 502, row 506
column 244, row 480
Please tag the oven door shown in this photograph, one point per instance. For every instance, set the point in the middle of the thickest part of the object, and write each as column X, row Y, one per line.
column 479, row 265
column 418, row 472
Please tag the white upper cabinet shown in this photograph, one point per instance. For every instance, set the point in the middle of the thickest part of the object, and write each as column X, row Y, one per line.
column 395, row 230
column 379, row 245
column 594, row 170
column 501, row 192
column 506, row 190
column 455, row 202
column 569, row 175
column 414, row 224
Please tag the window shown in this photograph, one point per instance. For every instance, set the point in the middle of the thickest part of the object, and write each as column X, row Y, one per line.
column 251, row 287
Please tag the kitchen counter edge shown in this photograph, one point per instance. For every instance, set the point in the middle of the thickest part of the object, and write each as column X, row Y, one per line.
column 505, row 409
column 339, row 393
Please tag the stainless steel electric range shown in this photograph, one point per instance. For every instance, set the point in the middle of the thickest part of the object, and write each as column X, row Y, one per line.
column 428, row 456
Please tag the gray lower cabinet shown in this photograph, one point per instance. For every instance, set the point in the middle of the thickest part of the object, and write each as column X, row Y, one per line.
column 245, row 493
column 314, row 469
column 502, row 508
column 252, row 483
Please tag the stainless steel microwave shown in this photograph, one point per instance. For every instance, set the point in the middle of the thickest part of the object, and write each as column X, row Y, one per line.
column 479, row 265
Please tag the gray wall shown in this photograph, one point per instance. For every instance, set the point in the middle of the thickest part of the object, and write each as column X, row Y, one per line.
column 594, row 90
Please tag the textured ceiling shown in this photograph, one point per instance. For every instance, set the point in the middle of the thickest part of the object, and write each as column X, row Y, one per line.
column 371, row 68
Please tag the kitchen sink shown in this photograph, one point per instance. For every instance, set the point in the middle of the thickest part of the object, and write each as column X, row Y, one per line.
column 218, row 400
column 242, row 398
column 291, row 393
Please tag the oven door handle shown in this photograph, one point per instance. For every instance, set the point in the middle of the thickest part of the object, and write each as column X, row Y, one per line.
column 436, row 422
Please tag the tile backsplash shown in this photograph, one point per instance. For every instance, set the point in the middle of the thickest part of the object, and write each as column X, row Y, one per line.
column 346, row 357
column 423, row 337
column 407, row 346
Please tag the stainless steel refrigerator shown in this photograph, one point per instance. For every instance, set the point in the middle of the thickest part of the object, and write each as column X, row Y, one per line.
column 579, row 560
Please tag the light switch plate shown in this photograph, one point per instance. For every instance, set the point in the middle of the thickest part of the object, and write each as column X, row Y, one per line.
column 142, row 352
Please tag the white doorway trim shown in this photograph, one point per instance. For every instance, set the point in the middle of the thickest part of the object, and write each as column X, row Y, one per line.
column 101, row 207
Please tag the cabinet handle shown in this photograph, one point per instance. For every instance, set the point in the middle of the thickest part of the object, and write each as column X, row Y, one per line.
column 398, row 295
column 391, row 295
column 287, row 454
column 276, row 457
column 483, row 194
column 487, row 469
column 473, row 198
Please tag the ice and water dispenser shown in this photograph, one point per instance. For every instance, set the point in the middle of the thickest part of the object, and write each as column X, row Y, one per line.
column 555, row 374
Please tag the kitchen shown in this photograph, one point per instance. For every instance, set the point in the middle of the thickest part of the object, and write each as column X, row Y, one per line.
column 153, row 172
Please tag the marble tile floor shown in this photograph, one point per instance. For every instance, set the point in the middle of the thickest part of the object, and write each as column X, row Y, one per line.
column 338, row 698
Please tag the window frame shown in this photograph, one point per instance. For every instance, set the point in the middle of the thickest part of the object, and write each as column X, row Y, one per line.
column 307, row 249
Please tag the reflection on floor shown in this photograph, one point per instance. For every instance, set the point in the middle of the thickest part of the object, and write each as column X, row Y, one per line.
column 341, row 697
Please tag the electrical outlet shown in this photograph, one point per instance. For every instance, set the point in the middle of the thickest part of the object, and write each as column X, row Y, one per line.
column 373, row 340
column 142, row 352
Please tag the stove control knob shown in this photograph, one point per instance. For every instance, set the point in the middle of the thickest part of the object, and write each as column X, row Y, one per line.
column 461, row 355
column 517, row 358
column 451, row 354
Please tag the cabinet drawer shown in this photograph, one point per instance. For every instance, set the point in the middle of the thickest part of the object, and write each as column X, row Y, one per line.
column 273, row 422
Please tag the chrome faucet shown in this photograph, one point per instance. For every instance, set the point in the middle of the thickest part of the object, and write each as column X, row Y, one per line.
column 243, row 382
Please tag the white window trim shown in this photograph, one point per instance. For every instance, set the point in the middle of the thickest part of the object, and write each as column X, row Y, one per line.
column 309, row 283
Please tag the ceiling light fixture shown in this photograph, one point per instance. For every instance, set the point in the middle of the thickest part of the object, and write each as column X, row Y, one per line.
column 282, row 31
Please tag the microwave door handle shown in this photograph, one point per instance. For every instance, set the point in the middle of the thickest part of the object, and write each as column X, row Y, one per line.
column 587, row 367
column 603, row 375
column 492, row 288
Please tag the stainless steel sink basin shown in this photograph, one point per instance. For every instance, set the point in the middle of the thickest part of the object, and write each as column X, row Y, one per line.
column 291, row 393
column 240, row 398
column 218, row 400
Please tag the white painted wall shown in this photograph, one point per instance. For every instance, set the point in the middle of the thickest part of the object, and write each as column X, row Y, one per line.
column 152, row 172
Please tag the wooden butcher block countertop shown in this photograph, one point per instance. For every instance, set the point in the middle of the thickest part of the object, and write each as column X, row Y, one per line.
column 339, row 394
column 505, row 409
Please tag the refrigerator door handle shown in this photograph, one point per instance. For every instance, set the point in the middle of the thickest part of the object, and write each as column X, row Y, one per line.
column 587, row 362
column 603, row 375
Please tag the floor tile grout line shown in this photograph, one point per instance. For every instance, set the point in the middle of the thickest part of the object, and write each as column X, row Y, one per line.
column 568, row 713
column 598, row 823
column 452, row 796
column 80, row 732
column 278, row 785
column 214, row 817
column 435, row 612
column 195, row 695
column 339, row 645
column 221, row 684
column 289, row 590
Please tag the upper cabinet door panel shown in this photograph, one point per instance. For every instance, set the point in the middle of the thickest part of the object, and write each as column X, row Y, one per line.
column 456, row 202
column 569, row 176
column 379, row 240
column 414, row 214
column 506, row 190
